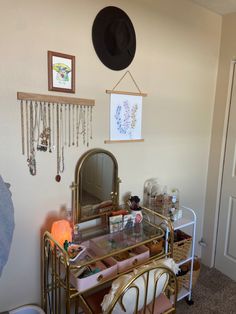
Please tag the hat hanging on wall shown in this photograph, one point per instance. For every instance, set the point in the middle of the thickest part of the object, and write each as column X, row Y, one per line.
column 114, row 38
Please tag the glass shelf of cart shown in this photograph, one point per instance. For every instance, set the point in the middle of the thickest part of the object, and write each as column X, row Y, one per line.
column 188, row 218
column 106, row 243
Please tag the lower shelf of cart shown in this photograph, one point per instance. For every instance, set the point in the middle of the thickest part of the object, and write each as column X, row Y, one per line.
column 183, row 293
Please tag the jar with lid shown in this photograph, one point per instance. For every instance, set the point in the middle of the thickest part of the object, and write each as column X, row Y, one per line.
column 150, row 190
column 174, row 196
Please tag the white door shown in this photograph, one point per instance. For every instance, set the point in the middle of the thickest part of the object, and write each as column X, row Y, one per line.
column 226, row 239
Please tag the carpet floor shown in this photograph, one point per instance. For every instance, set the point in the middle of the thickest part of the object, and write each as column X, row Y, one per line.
column 214, row 293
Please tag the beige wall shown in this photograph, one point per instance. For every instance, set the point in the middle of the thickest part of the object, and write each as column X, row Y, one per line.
column 175, row 63
column 227, row 54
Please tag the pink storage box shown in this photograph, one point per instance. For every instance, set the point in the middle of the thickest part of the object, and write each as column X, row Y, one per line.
column 141, row 254
column 109, row 269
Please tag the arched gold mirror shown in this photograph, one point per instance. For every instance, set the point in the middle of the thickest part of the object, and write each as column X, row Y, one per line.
column 95, row 190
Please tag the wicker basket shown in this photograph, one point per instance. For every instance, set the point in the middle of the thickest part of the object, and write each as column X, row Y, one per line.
column 181, row 246
column 183, row 281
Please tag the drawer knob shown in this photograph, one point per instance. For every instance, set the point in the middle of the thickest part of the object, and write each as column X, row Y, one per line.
column 100, row 277
column 135, row 261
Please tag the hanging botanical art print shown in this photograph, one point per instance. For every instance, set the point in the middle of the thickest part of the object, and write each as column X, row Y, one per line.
column 125, row 117
column 61, row 72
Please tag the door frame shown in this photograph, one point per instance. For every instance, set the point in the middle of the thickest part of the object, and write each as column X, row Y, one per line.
column 232, row 76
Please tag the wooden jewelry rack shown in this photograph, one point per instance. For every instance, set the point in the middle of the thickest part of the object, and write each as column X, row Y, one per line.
column 44, row 117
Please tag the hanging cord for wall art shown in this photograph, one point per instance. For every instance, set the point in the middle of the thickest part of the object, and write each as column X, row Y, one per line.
column 127, row 72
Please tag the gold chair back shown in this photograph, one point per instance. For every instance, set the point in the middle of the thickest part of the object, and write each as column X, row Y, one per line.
column 141, row 293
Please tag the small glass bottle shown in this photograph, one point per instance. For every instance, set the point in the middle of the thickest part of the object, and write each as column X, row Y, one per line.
column 77, row 236
column 175, row 198
column 165, row 201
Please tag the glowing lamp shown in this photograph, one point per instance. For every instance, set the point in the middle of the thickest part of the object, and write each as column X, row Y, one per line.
column 61, row 231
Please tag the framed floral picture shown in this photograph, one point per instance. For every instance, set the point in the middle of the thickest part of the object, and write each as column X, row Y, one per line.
column 61, row 72
column 125, row 117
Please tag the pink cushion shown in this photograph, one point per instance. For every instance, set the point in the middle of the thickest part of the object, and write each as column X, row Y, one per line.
column 162, row 304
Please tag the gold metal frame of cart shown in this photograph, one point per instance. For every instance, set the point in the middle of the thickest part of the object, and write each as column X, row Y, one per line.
column 57, row 293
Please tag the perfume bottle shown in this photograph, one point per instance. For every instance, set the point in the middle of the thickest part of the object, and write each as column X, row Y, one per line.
column 77, row 236
column 174, row 198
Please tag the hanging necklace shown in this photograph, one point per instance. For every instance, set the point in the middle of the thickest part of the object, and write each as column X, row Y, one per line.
column 69, row 126
column 49, row 129
column 53, row 126
column 65, row 118
column 58, row 177
column 73, row 125
column 84, row 125
column 45, row 128
column 35, row 126
column 27, row 130
column 46, row 132
column 77, row 126
column 22, row 127
column 31, row 160
column 91, row 120
column 61, row 157
column 79, row 122
column 38, row 124
column 87, row 124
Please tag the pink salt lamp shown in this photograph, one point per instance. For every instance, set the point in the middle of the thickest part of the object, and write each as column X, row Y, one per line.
column 61, row 231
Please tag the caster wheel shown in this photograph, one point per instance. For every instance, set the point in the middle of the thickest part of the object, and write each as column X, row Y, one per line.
column 189, row 302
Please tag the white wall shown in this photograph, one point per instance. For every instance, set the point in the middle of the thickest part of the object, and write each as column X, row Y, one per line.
column 175, row 63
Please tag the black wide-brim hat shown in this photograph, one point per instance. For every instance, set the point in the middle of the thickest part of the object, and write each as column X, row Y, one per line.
column 114, row 38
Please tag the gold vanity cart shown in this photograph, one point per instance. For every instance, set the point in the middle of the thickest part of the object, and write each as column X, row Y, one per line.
column 95, row 195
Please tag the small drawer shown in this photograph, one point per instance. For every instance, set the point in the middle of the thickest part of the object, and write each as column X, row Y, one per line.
column 107, row 267
column 126, row 260
column 131, row 258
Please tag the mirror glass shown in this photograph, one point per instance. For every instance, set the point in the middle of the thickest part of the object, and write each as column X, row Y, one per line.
column 97, row 179
column 95, row 190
